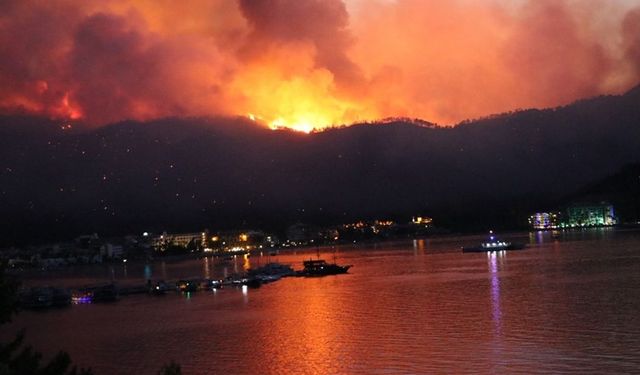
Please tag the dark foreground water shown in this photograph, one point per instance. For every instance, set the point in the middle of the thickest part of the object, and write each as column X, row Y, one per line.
column 566, row 305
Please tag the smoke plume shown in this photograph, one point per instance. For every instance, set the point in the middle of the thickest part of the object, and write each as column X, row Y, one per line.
column 311, row 63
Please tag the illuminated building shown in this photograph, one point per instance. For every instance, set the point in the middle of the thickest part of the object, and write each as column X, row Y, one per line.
column 365, row 230
column 590, row 215
column 236, row 241
column 111, row 250
column 575, row 216
column 545, row 220
column 421, row 220
column 300, row 233
column 198, row 240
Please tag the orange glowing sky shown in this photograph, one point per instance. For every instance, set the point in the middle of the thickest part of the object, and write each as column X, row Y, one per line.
column 309, row 64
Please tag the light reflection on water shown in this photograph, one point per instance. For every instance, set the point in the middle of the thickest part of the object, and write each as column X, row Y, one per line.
column 565, row 305
column 495, row 288
column 207, row 268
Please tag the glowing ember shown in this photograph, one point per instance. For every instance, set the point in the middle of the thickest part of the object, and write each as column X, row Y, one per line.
column 279, row 123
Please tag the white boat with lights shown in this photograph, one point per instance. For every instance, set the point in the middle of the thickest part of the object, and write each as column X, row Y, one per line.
column 493, row 244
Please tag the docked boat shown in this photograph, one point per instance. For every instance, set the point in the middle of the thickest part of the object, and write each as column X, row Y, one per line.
column 493, row 244
column 271, row 272
column 43, row 297
column 187, row 286
column 160, row 288
column 61, row 297
column 105, row 293
column 36, row 298
column 93, row 294
column 240, row 280
column 81, row 296
column 320, row 267
column 209, row 284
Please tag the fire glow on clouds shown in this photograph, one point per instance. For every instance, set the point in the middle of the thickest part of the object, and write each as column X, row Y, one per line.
column 311, row 63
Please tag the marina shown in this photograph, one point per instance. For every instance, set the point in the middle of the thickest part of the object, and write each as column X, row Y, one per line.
column 41, row 297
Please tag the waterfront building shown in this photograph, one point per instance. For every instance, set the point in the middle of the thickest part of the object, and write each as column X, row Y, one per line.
column 545, row 220
column 111, row 250
column 590, row 215
column 575, row 216
column 195, row 240
column 299, row 234
column 88, row 242
column 238, row 241
column 366, row 230
column 422, row 220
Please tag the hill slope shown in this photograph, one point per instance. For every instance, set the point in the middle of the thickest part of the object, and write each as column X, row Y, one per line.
column 186, row 174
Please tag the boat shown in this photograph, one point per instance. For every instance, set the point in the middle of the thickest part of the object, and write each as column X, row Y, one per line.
column 81, row 296
column 160, row 288
column 240, row 280
column 187, row 286
column 493, row 244
column 36, row 298
column 271, row 272
column 105, row 293
column 209, row 284
column 253, row 282
column 320, row 267
column 263, row 278
column 61, row 297
column 43, row 297
column 98, row 293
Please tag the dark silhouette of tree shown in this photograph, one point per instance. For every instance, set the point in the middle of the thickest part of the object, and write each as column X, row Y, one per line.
column 170, row 369
column 8, row 296
column 18, row 359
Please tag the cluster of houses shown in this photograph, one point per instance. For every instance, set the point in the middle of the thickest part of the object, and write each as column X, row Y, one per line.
column 298, row 234
column 92, row 249
column 86, row 249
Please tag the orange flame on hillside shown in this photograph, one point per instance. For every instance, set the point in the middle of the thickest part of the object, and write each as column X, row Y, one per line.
column 310, row 64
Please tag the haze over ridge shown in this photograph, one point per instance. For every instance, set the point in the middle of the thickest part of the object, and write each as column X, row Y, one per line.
column 312, row 63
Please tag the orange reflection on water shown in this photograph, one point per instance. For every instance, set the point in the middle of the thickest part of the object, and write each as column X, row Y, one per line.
column 246, row 263
column 310, row 326
column 565, row 306
column 207, row 268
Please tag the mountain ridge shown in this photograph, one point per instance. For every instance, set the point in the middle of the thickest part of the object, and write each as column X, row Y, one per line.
column 191, row 173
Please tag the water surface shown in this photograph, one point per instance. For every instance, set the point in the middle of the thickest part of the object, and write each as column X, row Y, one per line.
column 565, row 305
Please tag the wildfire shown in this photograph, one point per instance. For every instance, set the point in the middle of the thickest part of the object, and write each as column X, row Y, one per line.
column 279, row 123
column 72, row 111
column 307, row 65
column 65, row 108
column 304, row 126
column 288, row 90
